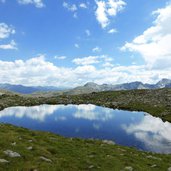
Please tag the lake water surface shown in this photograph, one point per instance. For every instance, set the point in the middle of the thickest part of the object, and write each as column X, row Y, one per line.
column 136, row 129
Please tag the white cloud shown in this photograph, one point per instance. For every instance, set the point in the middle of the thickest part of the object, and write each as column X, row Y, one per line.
column 107, row 9
column 153, row 44
column 76, row 45
column 60, row 57
column 111, row 31
column 12, row 46
column 83, row 5
column 101, row 13
column 86, row 60
column 96, row 49
column 88, row 33
column 6, row 31
column 38, row 71
column 152, row 132
column 37, row 3
column 70, row 7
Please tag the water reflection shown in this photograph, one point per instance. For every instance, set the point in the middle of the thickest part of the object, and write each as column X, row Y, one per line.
column 91, row 113
column 153, row 132
column 89, row 121
column 35, row 112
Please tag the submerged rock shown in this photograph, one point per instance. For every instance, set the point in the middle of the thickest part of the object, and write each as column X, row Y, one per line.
column 169, row 169
column 12, row 153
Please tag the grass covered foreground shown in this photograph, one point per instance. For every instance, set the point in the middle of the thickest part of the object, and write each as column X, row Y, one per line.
column 34, row 150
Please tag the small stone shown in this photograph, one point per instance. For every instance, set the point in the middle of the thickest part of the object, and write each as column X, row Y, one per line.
column 154, row 165
column 169, row 169
column 153, row 157
column 12, row 153
column 13, row 144
column 45, row 159
column 91, row 156
column 91, row 166
column 3, row 161
column 30, row 148
column 30, row 140
column 109, row 142
column 129, row 168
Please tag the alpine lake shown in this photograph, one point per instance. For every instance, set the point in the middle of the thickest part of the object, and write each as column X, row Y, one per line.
column 134, row 129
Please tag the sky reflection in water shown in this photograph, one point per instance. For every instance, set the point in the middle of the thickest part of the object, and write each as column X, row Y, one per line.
column 135, row 129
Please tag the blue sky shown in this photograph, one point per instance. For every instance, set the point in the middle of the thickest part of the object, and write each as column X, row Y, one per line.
column 68, row 43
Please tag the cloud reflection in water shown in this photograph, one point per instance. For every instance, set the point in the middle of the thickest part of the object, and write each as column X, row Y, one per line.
column 153, row 132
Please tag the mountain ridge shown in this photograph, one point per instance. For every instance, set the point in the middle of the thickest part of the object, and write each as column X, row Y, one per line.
column 89, row 87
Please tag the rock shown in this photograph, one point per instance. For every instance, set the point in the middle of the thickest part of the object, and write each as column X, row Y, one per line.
column 129, row 168
column 12, row 153
column 46, row 159
column 153, row 157
column 169, row 169
column 30, row 140
column 30, row 148
column 3, row 161
column 91, row 156
column 13, row 144
column 91, row 166
column 109, row 142
column 154, row 165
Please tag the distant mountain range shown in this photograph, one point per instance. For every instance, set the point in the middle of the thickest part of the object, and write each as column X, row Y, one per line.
column 93, row 87
column 28, row 89
column 88, row 88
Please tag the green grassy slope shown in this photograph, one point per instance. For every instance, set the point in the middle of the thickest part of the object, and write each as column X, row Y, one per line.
column 71, row 154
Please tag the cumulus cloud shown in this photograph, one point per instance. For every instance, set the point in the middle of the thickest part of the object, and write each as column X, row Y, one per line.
column 11, row 46
column 6, row 31
column 38, row 71
column 37, row 3
column 107, row 9
column 92, row 60
column 153, row 44
column 86, row 60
